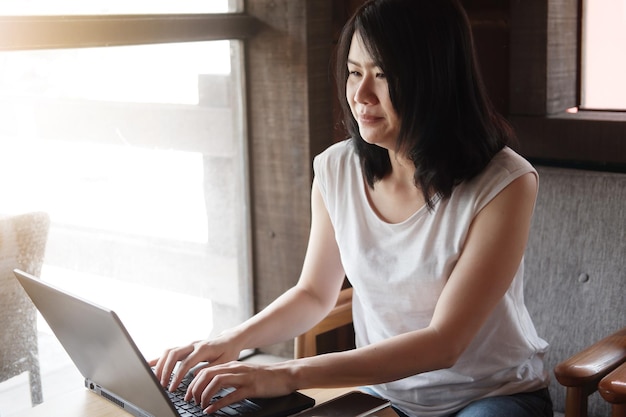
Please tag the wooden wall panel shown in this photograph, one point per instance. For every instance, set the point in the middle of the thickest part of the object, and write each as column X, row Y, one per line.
column 490, row 29
column 562, row 56
column 290, row 121
column 544, row 56
column 528, row 57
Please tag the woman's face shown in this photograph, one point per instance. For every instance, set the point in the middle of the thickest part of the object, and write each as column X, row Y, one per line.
column 367, row 93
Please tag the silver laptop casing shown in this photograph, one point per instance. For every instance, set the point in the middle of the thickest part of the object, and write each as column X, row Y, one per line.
column 104, row 354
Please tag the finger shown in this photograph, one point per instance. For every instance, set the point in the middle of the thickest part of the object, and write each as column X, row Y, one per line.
column 188, row 361
column 159, row 364
column 213, row 388
column 196, row 370
column 205, row 385
column 197, row 386
column 233, row 397
column 169, row 365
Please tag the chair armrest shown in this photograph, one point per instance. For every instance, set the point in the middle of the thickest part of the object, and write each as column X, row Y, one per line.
column 340, row 315
column 613, row 386
column 582, row 372
column 586, row 368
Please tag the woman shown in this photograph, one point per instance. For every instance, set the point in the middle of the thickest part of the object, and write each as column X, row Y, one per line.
column 426, row 211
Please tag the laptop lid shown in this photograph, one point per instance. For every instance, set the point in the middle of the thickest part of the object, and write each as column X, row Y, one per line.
column 105, row 354
column 100, row 347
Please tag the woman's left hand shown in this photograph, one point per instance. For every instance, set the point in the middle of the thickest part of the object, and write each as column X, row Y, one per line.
column 248, row 380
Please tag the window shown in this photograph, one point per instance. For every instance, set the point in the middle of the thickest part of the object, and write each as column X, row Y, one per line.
column 603, row 59
column 545, row 83
column 135, row 154
column 138, row 152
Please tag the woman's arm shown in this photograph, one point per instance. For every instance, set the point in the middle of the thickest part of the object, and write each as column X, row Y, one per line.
column 288, row 316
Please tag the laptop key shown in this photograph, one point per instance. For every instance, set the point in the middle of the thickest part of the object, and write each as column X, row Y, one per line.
column 230, row 411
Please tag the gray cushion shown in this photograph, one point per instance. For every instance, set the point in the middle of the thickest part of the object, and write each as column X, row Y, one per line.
column 576, row 264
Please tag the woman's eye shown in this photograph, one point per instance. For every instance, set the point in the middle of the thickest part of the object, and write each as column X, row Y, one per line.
column 380, row 75
column 354, row 73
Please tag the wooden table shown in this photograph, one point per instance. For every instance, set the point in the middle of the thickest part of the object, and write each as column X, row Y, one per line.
column 83, row 403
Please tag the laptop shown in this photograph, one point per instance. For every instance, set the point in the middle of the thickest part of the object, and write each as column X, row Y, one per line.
column 114, row 368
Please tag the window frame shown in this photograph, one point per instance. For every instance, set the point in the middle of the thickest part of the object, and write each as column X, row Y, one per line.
column 545, row 83
column 51, row 32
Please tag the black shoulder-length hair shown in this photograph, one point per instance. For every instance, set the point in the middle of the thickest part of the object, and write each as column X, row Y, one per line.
column 449, row 128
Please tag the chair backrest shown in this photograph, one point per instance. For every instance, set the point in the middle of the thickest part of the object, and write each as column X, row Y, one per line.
column 22, row 245
column 575, row 265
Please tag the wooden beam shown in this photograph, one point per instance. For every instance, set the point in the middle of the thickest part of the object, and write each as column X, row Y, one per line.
column 50, row 32
column 289, row 104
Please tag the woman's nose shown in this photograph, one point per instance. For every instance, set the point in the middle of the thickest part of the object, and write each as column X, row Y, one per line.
column 364, row 93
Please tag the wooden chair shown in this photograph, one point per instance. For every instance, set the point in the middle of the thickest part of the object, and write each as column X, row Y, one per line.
column 593, row 369
column 613, row 389
column 22, row 245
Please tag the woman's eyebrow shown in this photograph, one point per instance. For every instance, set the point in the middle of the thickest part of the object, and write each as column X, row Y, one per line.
column 360, row 64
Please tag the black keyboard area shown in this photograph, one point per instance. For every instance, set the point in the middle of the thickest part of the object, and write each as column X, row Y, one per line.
column 190, row 409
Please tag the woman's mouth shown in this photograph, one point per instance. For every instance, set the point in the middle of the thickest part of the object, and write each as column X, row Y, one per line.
column 368, row 118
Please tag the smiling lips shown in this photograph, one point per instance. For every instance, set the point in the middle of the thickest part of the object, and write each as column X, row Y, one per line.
column 368, row 118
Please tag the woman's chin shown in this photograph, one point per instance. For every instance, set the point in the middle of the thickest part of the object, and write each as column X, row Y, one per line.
column 374, row 140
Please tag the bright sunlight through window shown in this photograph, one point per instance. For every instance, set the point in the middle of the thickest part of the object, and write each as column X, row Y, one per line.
column 138, row 156
column 603, row 57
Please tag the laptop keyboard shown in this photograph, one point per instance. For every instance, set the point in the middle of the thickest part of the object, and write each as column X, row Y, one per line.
column 190, row 409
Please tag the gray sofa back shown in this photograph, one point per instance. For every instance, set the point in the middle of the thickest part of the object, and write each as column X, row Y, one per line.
column 575, row 265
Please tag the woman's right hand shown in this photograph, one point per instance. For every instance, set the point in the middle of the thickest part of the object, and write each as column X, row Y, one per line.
column 213, row 352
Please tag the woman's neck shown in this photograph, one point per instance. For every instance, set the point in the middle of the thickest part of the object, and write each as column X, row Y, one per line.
column 402, row 173
column 396, row 196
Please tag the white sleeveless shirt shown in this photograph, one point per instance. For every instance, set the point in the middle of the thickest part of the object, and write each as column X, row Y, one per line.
column 398, row 272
